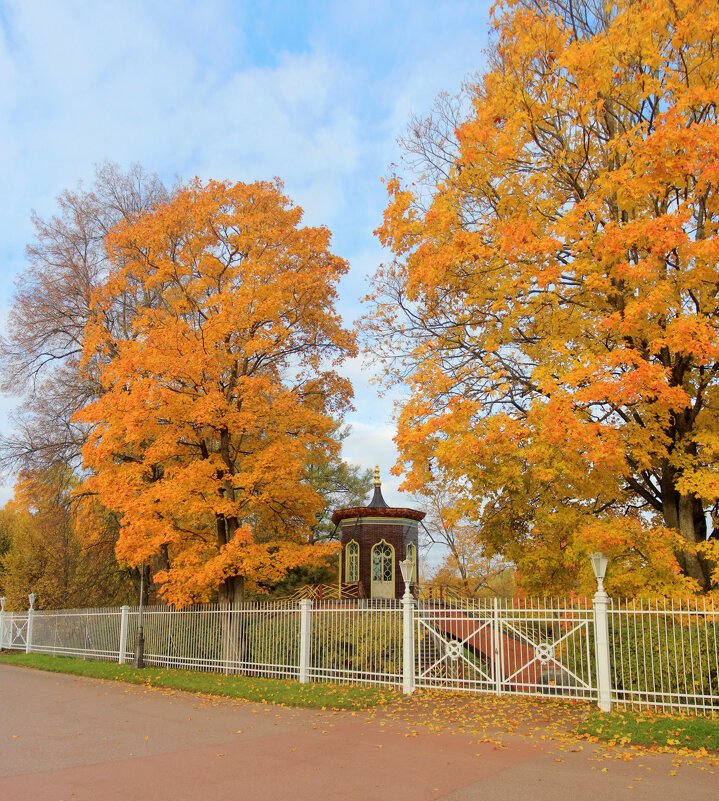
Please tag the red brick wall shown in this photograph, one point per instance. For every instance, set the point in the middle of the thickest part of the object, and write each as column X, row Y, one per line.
column 367, row 532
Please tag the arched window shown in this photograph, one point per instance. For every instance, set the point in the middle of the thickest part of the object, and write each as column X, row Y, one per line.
column 382, row 562
column 383, row 570
column 352, row 562
column 411, row 552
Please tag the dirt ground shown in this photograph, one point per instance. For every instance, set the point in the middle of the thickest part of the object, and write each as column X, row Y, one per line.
column 65, row 738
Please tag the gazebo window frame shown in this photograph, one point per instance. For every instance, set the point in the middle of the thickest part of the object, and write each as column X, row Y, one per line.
column 352, row 554
column 383, row 579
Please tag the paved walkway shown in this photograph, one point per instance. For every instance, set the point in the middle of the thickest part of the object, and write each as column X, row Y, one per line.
column 64, row 738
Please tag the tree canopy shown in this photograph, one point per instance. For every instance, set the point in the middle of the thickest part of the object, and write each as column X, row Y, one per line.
column 552, row 305
column 219, row 387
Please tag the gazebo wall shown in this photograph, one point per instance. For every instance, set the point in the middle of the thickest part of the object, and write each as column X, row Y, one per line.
column 367, row 532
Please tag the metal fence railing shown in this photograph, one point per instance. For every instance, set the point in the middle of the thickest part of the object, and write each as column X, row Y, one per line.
column 661, row 654
column 507, row 646
column 665, row 654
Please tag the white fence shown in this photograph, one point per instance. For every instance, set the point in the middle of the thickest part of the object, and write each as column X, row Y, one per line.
column 659, row 654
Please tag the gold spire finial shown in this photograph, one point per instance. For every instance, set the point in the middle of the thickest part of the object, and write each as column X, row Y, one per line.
column 376, row 476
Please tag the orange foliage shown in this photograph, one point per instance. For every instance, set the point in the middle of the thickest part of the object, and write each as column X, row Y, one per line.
column 555, row 300
column 218, row 388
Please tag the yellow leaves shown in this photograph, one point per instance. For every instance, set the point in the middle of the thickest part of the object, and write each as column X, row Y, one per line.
column 562, row 274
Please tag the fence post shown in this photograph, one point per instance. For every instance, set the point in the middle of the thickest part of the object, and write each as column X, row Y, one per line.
column 30, row 616
column 496, row 647
column 601, row 633
column 305, row 639
column 122, row 650
column 407, row 643
column 2, row 623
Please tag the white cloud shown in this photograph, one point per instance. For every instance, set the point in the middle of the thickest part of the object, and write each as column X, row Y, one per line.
column 316, row 95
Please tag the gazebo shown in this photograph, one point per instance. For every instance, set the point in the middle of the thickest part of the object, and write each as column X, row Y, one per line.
column 375, row 539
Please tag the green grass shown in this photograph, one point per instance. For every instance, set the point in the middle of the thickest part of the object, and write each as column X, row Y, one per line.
column 271, row 691
column 648, row 728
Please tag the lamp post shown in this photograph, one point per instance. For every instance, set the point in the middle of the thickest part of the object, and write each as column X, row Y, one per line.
column 599, row 566
column 30, row 616
column 140, row 642
column 407, row 569
column 601, row 632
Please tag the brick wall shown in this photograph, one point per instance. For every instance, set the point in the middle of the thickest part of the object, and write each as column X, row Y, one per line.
column 367, row 532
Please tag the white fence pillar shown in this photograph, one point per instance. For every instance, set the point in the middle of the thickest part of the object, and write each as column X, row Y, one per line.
column 601, row 647
column 3, row 636
column 305, row 639
column 407, row 644
column 496, row 648
column 122, row 650
column 28, row 630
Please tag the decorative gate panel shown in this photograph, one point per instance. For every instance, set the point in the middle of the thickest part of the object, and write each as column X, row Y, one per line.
column 15, row 633
column 454, row 647
column 546, row 650
column 505, row 648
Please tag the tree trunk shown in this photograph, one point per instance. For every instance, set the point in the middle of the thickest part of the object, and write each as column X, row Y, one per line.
column 234, row 625
column 685, row 513
column 232, row 597
column 232, row 591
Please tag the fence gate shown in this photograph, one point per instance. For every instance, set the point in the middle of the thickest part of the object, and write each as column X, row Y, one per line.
column 454, row 647
column 14, row 631
column 505, row 647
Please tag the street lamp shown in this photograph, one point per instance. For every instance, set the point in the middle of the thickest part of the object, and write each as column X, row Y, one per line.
column 407, row 569
column 32, row 598
column 140, row 642
column 600, row 602
column 599, row 566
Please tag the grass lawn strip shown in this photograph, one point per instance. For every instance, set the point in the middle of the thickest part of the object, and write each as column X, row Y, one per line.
column 624, row 727
column 247, row 688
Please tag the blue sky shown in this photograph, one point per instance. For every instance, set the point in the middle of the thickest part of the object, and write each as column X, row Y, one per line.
column 313, row 92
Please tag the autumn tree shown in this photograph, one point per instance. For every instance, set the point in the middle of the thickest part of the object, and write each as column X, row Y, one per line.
column 219, row 388
column 552, row 304
column 464, row 563
column 339, row 483
column 41, row 351
column 45, row 551
column 40, row 364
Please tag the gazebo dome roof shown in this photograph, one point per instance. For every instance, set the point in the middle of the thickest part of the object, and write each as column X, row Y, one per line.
column 377, row 507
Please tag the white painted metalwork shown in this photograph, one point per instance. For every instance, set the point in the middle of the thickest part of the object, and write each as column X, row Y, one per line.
column 357, row 641
column 601, row 635
column 665, row 654
column 305, row 639
column 124, row 614
column 662, row 654
column 14, row 631
column 408, row 679
column 516, row 646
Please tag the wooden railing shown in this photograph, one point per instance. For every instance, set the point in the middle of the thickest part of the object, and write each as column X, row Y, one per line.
column 323, row 592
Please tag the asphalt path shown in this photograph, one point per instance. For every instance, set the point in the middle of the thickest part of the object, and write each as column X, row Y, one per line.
column 65, row 738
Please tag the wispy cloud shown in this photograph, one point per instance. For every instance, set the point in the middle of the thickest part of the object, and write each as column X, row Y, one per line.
column 315, row 93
